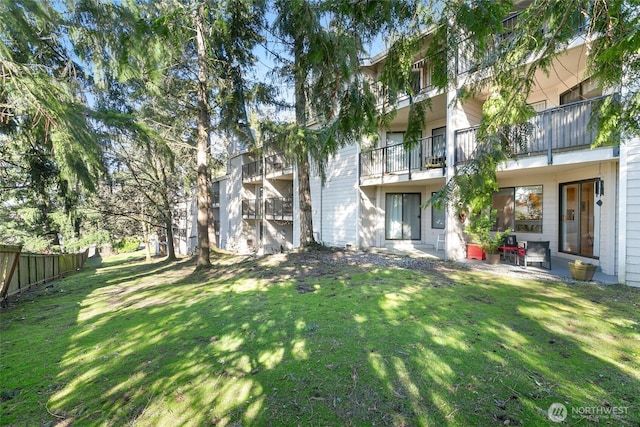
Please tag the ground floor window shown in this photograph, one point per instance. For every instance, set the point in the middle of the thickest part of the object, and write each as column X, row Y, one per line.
column 402, row 216
column 437, row 216
column 519, row 209
column 579, row 219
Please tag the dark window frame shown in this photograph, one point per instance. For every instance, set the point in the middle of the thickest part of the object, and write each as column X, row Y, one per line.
column 575, row 216
column 580, row 89
column 519, row 225
column 386, row 230
column 440, row 211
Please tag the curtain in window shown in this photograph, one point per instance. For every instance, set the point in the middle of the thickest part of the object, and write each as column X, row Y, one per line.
column 411, row 208
column 393, row 217
column 402, row 216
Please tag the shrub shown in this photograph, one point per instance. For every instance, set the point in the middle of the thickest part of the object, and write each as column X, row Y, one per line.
column 128, row 244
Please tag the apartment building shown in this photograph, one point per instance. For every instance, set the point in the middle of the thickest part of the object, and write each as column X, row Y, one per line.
column 585, row 201
column 253, row 204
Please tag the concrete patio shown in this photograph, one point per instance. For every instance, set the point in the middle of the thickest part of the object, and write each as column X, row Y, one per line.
column 559, row 265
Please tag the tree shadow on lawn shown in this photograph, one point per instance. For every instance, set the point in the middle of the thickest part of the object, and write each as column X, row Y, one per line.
column 291, row 340
column 36, row 328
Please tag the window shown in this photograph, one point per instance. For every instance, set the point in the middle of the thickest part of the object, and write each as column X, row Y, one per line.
column 394, row 138
column 519, row 208
column 585, row 90
column 504, row 203
column 396, row 160
column 416, row 78
column 402, row 216
column 437, row 216
column 438, row 146
column 539, row 105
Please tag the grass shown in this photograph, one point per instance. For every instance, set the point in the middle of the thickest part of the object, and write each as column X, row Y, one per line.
column 305, row 339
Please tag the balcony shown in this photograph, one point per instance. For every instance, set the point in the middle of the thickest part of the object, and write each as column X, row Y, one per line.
column 252, row 172
column 430, row 153
column 564, row 128
column 279, row 208
column 252, row 208
column 422, row 73
column 467, row 62
column 278, row 165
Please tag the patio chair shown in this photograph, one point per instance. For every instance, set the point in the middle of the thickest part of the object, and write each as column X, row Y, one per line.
column 529, row 252
column 509, row 247
column 440, row 241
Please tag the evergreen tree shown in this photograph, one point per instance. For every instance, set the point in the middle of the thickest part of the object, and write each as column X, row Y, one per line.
column 186, row 59
column 49, row 152
column 323, row 44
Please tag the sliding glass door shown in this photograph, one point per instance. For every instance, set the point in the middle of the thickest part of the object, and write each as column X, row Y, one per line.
column 579, row 219
column 402, row 216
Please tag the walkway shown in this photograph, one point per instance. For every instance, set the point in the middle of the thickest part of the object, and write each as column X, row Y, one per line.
column 559, row 266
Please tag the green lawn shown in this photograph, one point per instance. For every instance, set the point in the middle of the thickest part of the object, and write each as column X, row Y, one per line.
column 305, row 340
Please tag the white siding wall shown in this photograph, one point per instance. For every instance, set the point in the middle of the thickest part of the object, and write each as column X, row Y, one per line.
column 224, row 213
column 335, row 207
column 296, row 210
column 630, row 210
column 192, row 230
column 370, row 214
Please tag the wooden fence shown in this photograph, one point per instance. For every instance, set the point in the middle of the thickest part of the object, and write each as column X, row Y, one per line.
column 19, row 271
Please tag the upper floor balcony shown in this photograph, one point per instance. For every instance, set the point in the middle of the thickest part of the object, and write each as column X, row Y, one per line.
column 468, row 62
column 252, row 172
column 252, row 208
column 279, row 208
column 560, row 129
column 429, row 154
column 278, row 165
column 422, row 81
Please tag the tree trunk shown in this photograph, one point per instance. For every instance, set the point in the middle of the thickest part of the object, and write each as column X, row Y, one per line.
column 304, row 194
column 171, row 251
column 168, row 220
column 145, row 234
column 203, row 179
column 304, row 186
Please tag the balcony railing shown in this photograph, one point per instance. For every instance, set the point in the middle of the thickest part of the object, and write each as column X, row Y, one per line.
column 467, row 61
column 430, row 153
column 252, row 208
column 278, row 164
column 279, row 208
column 563, row 128
column 252, row 171
column 422, row 78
